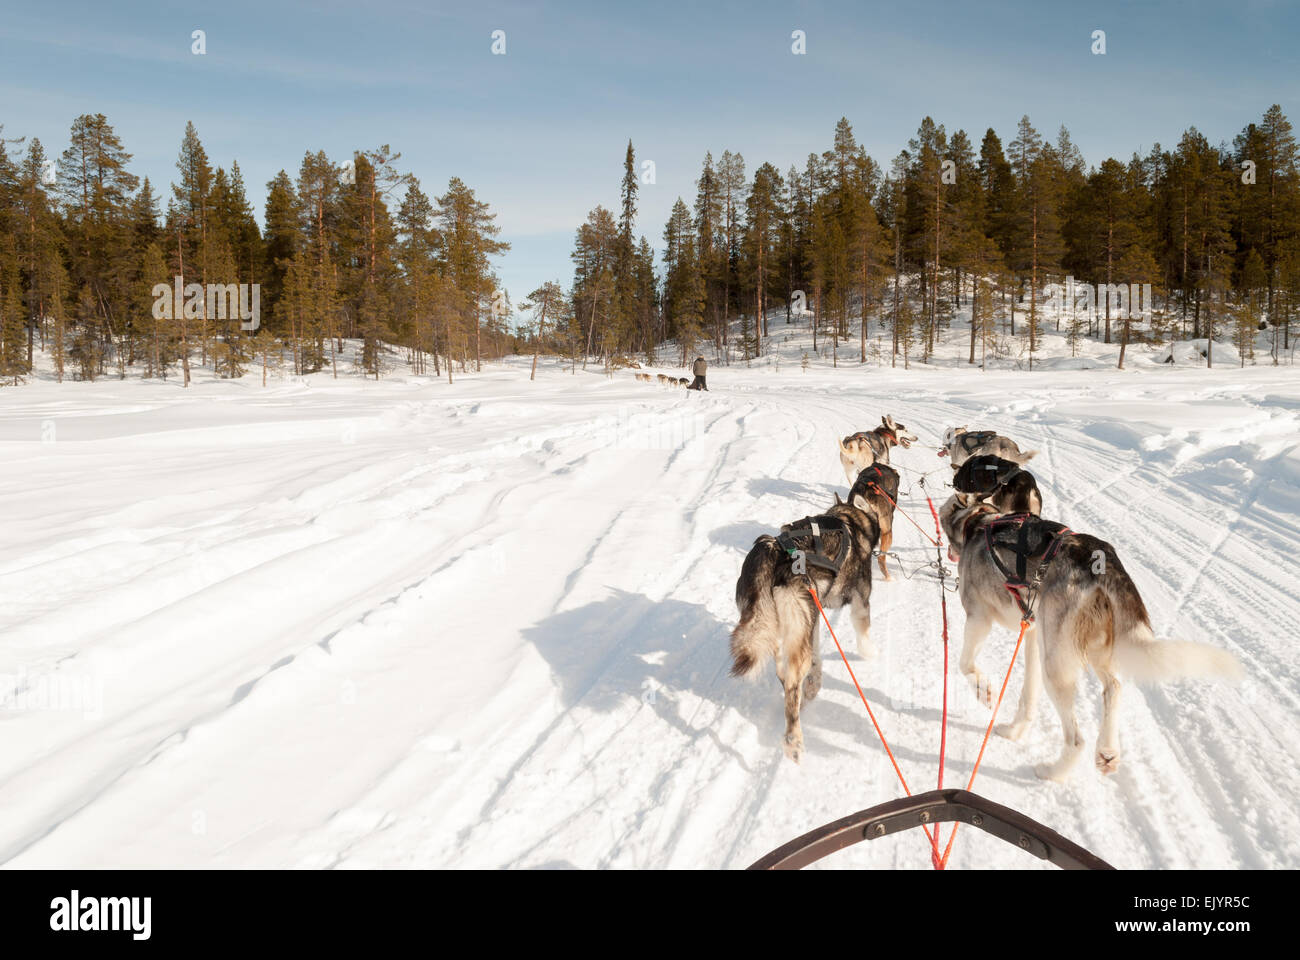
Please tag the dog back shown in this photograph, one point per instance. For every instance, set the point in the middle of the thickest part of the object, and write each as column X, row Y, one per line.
column 878, row 485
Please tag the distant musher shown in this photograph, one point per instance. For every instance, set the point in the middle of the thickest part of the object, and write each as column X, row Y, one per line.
column 699, row 368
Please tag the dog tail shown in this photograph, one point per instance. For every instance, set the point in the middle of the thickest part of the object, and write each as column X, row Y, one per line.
column 1139, row 656
column 756, row 639
column 1148, row 660
column 1024, row 456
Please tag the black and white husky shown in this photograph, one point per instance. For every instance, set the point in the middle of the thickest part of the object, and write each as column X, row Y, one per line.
column 960, row 444
column 778, row 619
column 1088, row 613
column 878, row 486
column 1003, row 483
column 862, row 449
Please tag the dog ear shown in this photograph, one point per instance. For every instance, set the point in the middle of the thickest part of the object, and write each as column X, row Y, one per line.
column 838, row 501
column 860, row 502
column 888, row 420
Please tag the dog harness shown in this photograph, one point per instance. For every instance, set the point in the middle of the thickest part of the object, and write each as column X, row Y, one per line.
column 1024, row 536
column 875, row 476
column 974, row 440
column 813, row 527
column 986, row 479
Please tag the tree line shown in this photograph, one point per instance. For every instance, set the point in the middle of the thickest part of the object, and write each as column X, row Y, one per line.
column 351, row 250
column 851, row 247
column 357, row 251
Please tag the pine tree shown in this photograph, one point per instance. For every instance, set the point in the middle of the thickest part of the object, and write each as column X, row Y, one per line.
column 594, row 255
column 544, row 302
column 625, row 293
column 281, row 216
column 762, row 218
column 1037, row 246
column 40, row 240
column 13, row 334
column 95, row 187
column 469, row 233
column 708, row 229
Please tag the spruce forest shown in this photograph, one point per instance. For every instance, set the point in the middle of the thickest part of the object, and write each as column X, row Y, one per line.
column 355, row 250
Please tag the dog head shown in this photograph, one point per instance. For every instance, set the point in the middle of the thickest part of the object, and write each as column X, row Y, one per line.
column 897, row 432
column 949, row 438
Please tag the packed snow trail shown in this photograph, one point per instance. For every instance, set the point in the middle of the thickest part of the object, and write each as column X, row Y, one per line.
column 347, row 623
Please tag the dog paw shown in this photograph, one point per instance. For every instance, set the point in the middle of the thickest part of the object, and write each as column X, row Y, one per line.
column 983, row 689
column 1011, row 731
column 866, row 649
column 1107, row 760
column 794, row 747
column 1049, row 771
column 812, row 686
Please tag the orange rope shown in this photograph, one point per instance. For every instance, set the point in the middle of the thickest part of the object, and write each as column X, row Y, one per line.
column 933, row 838
column 904, row 513
column 970, row 783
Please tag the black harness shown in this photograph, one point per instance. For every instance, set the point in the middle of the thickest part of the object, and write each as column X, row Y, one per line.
column 812, row 528
column 1024, row 536
column 974, row 440
column 986, row 479
column 873, row 476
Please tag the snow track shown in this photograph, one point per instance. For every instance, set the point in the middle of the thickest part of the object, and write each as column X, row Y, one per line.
column 355, row 624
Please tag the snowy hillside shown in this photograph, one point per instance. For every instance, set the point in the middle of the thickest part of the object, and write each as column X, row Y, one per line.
column 348, row 623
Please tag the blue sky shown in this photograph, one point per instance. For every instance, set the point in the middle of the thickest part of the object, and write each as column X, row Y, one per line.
column 540, row 132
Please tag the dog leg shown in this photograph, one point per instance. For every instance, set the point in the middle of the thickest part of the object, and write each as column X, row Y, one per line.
column 1062, row 680
column 975, row 633
column 886, row 541
column 1029, row 692
column 812, row 683
column 1108, row 741
column 796, row 668
column 860, row 612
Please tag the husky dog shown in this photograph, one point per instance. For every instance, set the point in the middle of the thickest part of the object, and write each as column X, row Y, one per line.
column 1088, row 613
column 878, row 486
column 778, row 619
column 643, row 377
column 1009, row 487
column 960, row 444
column 662, row 379
column 682, row 381
column 862, row 449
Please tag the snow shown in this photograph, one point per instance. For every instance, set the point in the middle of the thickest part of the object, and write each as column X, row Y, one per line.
column 400, row 623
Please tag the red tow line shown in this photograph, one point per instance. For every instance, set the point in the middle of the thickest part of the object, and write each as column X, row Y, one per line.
column 939, row 861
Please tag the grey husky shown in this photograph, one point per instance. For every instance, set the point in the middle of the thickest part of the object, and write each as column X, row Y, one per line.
column 862, row 449
column 960, row 444
column 1088, row 613
column 778, row 619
